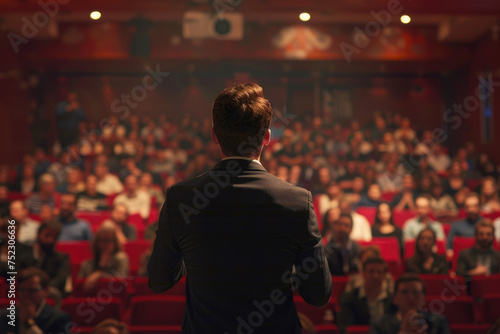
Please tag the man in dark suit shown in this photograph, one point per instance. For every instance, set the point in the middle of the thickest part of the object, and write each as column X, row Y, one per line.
column 33, row 314
column 242, row 236
column 481, row 259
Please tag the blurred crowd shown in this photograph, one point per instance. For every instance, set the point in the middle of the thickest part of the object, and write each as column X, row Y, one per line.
column 360, row 176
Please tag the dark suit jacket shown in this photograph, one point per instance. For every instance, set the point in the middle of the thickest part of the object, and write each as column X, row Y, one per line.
column 467, row 260
column 237, row 231
column 50, row 321
column 390, row 324
column 354, row 309
column 336, row 260
column 57, row 266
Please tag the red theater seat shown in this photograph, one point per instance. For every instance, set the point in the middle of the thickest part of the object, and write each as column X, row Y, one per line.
column 483, row 285
column 401, row 216
column 444, row 285
column 327, row 329
column 316, row 315
column 469, row 328
column 410, row 248
column 141, row 287
column 389, row 196
column 358, row 330
column 368, row 212
column 90, row 311
column 134, row 250
column 78, row 251
column 338, row 286
column 457, row 310
column 95, row 219
column 4, row 303
column 390, row 251
column 156, row 310
column 491, row 309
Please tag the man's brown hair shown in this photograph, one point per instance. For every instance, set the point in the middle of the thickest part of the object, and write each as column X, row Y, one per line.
column 241, row 117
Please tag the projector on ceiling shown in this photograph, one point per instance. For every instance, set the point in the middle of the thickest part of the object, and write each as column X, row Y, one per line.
column 200, row 25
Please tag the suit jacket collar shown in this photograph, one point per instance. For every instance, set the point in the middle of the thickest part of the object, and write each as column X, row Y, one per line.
column 244, row 164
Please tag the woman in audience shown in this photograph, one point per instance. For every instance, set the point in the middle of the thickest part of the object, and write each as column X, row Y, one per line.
column 384, row 225
column 456, row 179
column 489, row 195
column 441, row 203
column 109, row 260
column 330, row 199
column 425, row 261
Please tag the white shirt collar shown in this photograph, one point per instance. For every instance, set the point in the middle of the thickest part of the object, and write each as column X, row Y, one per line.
column 244, row 158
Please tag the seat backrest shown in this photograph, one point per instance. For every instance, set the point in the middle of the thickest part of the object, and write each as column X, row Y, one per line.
column 78, row 251
column 157, row 310
column 444, row 285
column 89, row 311
column 457, row 310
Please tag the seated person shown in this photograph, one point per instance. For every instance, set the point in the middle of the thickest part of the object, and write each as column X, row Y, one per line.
column 55, row 264
column 73, row 184
column 489, row 195
column 110, row 326
column 45, row 196
column 357, row 280
column 465, row 227
column 441, row 203
column 341, row 251
column 361, row 230
column 27, row 226
column 384, row 225
column 146, row 185
column 413, row 226
column 406, row 199
column 481, row 259
column 372, row 198
column 33, row 314
column 330, row 199
column 425, row 261
column 136, row 200
column 409, row 298
column 109, row 260
column 368, row 302
column 73, row 228
column 118, row 217
column 23, row 253
column 107, row 183
column 90, row 199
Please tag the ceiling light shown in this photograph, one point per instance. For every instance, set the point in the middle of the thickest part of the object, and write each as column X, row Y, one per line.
column 95, row 15
column 405, row 19
column 304, row 17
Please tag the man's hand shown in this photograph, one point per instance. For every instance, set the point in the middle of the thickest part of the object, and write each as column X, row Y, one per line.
column 27, row 310
column 414, row 323
column 479, row 270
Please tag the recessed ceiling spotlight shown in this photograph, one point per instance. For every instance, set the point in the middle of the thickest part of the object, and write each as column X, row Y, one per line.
column 405, row 19
column 304, row 17
column 95, row 15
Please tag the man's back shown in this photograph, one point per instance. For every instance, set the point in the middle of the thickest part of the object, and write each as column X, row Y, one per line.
column 239, row 230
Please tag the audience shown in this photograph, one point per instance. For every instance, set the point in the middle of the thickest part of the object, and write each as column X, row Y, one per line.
column 341, row 251
column 45, row 196
column 110, row 326
column 441, row 203
column 425, row 260
column 372, row 198
column 368, row 302
column 330, row 199
column 361, row 230
column 33, row 313
column 23, row 254
column 136, row 200
column 73, row 228
column 409, row 298
column 27, row 227
column 489, row 195
column 465, row 227
column 109, row 260
column 481, row 259
column 90, row 199
column 107, row 184
column 73, row 184
column 146, row 185
column 406, row 199
column 413, row 226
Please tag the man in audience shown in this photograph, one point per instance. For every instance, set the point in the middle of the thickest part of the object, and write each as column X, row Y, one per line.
column 413, row 226
column 137, row 201
column 72, row 227
column 342, row 251
column 368, row 302
column 465, row 227
column 27, row 226
column 390, row 180
column 91, row 199
column 361, row 229
column 45, row 196
column 107, row 184
column 406, row 199
column 438, row 159
column 124, row 231
column 409, row 298
column 32, row 313
column 55, row 264
column 481, row 259
column 73, row 183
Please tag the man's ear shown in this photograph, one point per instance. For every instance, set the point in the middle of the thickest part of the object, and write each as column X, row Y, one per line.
column 267, row 137
column 214, row 137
